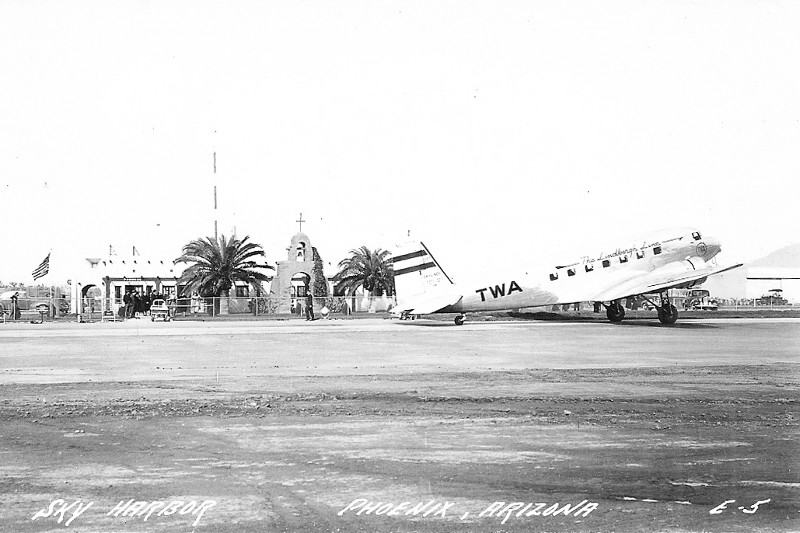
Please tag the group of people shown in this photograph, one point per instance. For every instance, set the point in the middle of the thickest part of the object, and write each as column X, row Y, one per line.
column 138, row 304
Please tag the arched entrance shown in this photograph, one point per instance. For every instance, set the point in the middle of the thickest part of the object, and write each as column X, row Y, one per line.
column 91, row 299
column 301, row 283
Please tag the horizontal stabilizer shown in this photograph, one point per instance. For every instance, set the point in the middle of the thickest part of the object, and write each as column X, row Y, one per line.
column 426, row 304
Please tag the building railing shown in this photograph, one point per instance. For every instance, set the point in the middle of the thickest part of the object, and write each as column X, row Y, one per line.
column 272, row 305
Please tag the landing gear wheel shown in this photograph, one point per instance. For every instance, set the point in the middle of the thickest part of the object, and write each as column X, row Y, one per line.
column 668, row 315
column 615, row 312
column 459, row 320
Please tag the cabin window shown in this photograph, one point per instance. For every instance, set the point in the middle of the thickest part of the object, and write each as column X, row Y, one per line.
column 639, row 254
column 570, row 272
column 553, row 277
column 606, row 263
column 623, row 259
column 589, row 268
column 696, row 236
column 657, row 250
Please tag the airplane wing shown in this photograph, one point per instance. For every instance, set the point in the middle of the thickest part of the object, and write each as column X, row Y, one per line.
column 426, row 304
column 667, row 277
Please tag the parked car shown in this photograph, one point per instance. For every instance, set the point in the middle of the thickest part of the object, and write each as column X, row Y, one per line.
column 32, row 304
column 773, row 297
column 700, row 300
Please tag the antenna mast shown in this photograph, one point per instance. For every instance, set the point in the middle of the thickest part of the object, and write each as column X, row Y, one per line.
column 215, row 197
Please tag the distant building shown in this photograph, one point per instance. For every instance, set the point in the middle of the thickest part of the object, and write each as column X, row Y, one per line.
column 778, row 270
column 761, row 280
column 109, row 278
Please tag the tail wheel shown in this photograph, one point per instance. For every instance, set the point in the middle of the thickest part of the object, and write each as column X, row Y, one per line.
column 668, row 315
column 459, row 320
column 615, row 312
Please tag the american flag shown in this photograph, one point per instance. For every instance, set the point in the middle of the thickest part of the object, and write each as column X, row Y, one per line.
column 42, row 269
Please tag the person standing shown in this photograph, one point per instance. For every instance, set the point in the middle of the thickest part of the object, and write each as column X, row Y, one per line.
column 15, row 314
column 309, row 304
column 128, row 301
column 137, row 304
column 146, row 302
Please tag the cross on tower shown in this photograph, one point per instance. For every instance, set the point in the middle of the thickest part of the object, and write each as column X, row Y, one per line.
column 300, row 220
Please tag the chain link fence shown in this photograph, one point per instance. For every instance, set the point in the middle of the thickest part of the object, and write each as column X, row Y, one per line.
column 101, row 309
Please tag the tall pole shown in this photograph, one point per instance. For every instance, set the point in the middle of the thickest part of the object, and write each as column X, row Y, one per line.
column 215, row 196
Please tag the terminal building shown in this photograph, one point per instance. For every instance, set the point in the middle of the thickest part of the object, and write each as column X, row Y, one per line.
column 101, row 282
column 109, row 278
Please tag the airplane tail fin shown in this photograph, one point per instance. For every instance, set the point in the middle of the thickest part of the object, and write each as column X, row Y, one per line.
column 416, row 271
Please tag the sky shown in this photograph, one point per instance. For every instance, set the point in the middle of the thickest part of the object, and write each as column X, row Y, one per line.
column 505, row 135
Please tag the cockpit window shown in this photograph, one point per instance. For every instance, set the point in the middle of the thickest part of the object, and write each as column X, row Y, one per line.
column 696, row 236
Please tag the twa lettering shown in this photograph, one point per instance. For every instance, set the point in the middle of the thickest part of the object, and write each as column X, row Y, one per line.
column 499, row 290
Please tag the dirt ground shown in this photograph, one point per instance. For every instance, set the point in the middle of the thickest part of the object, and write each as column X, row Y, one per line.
column 381, row 426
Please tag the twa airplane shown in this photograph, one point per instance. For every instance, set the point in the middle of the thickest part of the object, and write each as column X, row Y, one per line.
column 669, row 259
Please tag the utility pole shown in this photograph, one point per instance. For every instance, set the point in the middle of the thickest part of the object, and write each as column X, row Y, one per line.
column 215, row 197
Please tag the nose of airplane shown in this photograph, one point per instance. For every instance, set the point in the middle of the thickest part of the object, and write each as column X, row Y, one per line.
column 713, row 247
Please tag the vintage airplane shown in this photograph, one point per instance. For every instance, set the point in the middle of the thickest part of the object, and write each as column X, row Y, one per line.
column 669, row 259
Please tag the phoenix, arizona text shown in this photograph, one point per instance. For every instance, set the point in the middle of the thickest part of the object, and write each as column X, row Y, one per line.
column 499, row 510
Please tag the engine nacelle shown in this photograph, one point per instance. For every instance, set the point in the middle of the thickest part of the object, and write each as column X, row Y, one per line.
column 693, row 264
column 696, row 263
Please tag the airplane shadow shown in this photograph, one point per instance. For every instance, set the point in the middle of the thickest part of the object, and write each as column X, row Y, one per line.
column 627, row 322
column 422, row 323
column 656, row 324
column 637, row 323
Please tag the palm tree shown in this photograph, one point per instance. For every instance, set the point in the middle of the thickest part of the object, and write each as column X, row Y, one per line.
column 217, row 264
column 364, row 268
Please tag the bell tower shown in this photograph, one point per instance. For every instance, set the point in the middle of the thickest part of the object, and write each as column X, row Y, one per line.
column 295, row 276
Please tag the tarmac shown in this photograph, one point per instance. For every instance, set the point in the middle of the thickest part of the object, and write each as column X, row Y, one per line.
column 351, row 425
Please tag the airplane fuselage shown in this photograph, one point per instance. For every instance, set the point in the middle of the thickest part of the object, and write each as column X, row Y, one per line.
column 661, row 261
column 677, row 251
